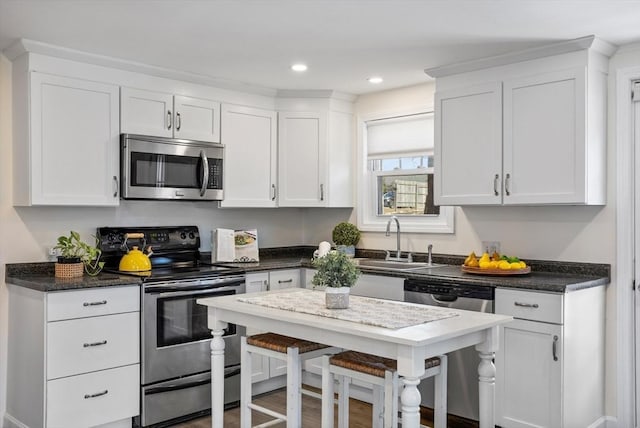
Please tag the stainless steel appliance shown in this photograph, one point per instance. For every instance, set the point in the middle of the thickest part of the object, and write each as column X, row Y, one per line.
column 175, row 339
column 462, row 373
column 167, row 168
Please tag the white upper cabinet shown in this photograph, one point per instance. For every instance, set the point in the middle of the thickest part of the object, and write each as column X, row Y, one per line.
column 250, row 139
column 531, row 132
column 66, row 148
column 167, row 115
column 316, row 144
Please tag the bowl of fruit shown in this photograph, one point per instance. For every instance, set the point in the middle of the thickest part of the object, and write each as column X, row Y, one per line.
column 495, row 264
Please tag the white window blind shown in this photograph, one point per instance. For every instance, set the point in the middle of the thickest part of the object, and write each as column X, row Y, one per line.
column 399, row 135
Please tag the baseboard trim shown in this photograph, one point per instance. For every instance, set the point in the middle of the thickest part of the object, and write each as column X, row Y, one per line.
column 11, row 422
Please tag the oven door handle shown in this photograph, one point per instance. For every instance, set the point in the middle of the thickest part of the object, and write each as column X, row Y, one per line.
column 228, row 372
column 193, row 289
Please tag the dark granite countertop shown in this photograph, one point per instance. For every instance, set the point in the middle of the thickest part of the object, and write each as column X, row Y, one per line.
column 546, row 276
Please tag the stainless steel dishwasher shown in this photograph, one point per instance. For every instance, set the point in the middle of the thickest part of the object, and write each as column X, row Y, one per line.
column 462, row 375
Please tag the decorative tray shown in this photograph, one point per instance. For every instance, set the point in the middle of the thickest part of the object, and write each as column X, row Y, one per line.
column 502, row 272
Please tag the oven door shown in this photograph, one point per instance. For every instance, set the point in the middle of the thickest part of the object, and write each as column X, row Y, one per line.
column 175, row 336
column 157, row 168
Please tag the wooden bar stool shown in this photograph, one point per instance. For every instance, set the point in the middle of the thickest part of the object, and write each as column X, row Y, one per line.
column 383, row 375
column 294, row 352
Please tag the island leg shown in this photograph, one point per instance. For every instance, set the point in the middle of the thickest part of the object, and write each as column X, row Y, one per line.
column 487, row 378
column 217, row 376
column 410, row 399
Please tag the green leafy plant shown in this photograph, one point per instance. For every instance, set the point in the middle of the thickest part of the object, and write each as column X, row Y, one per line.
column 72, row 247
column 335, row 270
column 345, row 234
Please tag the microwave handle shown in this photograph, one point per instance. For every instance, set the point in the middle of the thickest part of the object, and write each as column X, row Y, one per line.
column 205, row 173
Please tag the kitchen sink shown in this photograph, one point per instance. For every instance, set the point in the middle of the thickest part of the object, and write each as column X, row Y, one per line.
column 394, row 265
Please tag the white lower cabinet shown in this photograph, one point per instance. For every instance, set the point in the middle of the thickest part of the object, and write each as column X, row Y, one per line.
column 264, row 368
column 74, row 357
column 550, row 363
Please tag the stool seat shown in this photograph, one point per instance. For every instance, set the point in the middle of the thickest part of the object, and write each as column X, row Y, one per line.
column 372, row 364
column 279, row 343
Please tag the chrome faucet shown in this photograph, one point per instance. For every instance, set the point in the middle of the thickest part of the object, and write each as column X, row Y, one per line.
column 398, row 256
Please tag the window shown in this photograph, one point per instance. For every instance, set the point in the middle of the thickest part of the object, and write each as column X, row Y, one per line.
column 396, row 157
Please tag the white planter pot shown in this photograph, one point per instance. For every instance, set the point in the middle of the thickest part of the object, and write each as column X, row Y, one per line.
column 337, row 297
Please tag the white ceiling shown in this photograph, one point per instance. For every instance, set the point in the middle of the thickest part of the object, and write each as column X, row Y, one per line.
column 343, row 41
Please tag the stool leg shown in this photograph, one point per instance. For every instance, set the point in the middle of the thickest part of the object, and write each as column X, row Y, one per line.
column 327, row 394
column 245, row 384
column 391, row 399
column 343, row 401
column 440, row 395
column 294, row 401
column 378, row 407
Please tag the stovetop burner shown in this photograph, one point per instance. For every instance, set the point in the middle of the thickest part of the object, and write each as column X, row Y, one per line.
column 176, row 252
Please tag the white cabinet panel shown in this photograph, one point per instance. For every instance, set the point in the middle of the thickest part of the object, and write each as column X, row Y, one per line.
column 90, row 344
column 72, row 122
column 146, row 112
column 196, row 119
column 545, row 307
column 250, row 139
column 288, row 278
column 379, row 287
column 94, row 398
column 468, row 145
column 302, row 157
column 92, row 302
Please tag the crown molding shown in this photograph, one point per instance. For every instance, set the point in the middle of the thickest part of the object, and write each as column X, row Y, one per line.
column 315, row 93
column 24, row 46
column 587, row 42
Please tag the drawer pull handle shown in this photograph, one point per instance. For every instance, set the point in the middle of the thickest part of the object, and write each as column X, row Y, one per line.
column 102, row 302
column 285, row 281
column 88, row 345
column 97, row 394
column 526, row 305
column 555, row 348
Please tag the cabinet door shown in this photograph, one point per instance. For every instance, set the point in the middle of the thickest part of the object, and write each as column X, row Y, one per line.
column 146, row 112
column 250, row 139
column 529, row 375
column 74, row 142
column 468, row 146
column 196, row 119
column 544, row 138
column 302, row 156
column 259, row 365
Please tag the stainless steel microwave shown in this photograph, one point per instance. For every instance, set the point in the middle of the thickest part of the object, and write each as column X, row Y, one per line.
column 168, row 168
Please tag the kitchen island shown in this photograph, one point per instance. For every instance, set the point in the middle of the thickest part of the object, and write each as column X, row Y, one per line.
column 410, row 346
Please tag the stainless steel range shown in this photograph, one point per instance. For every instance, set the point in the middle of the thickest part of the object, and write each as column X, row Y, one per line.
column 175, row 340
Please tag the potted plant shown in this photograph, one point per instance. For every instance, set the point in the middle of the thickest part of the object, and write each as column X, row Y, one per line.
column 345, row 236
column 76, row 256
column 338, row 273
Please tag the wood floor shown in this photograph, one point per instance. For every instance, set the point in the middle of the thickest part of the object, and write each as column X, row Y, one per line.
column 359, row 414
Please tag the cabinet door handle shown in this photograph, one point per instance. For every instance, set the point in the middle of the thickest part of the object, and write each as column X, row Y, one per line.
column 266, row 285
column 178, row 121
column 555, row 348
column 169, row 119
column 273, row 188
column 92, row 344
column 322, row 192
column 115, row 186
column 280, row 281
column 97, row 394
column 507, row 184
column 526, row 305
column 102, row 302
column 495, row 185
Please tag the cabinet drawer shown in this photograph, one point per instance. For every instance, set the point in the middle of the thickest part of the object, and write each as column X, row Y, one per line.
column 284, row 279
column 96, row 301
column 94, row 398
column 545, row 307
column 90, row 344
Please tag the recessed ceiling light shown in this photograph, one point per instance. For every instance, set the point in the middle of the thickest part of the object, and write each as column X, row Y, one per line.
column 375, row 80
column 299, row 67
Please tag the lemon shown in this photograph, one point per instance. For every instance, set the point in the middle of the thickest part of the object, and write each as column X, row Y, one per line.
column 493, row 264
column 484, row 264
column 503, row 264
column 515, row 265
column 523, row 265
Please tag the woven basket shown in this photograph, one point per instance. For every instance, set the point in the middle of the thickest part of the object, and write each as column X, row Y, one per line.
column 69, row 270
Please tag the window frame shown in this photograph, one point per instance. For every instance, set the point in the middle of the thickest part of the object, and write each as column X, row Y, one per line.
column 367, row 218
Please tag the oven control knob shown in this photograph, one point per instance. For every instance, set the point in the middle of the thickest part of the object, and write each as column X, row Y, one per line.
column 183, row 235
column 192, row 235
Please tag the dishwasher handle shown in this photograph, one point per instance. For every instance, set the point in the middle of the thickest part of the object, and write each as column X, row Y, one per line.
column 444, row 298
